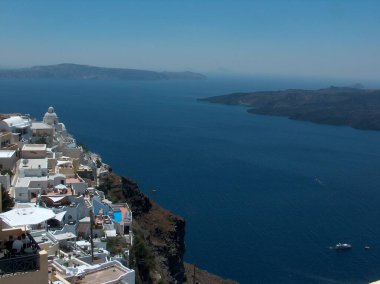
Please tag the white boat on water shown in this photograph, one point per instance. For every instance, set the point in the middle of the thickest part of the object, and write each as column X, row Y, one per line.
column 340, row 246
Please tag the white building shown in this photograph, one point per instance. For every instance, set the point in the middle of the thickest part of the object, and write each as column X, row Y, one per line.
column 33, row 168
column 17, row 124
column 9, row 140
column 8, row 159
column 77, row 184
column 34, row 178
column 34, row 151
column 42, row 133
column 5, row 181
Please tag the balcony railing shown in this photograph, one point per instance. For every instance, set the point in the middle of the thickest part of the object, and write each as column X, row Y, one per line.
column 22, row 263
column 18, row 264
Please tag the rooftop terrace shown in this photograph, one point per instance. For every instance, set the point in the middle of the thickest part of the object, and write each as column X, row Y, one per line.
column 104, row 275
column 34, row 147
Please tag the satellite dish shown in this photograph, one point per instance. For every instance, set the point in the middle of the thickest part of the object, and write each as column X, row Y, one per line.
column 25, row 162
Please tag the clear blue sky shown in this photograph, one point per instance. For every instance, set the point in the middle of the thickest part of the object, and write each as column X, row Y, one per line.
column 306, row 37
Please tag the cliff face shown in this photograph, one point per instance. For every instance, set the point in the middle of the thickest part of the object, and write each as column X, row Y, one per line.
column 159, row 247
column 159, row 237
column 164, row 231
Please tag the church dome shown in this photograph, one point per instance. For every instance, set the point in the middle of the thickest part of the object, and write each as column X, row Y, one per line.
column 50, row 117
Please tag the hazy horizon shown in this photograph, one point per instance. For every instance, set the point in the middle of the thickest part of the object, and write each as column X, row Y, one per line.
column 336, row 39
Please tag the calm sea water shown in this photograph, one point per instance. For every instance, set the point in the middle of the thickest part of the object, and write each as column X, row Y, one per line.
column 264, row 197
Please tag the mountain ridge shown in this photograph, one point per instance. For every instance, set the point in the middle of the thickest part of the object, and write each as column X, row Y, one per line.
column 352, row 106
column 88, row 72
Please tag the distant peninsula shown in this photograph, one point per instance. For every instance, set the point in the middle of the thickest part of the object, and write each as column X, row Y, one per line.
column 86, row 72
column 352, row 106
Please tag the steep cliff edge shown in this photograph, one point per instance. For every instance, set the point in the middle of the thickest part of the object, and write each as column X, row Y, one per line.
column 157, row 254
column 163, row 232
column 158, row 247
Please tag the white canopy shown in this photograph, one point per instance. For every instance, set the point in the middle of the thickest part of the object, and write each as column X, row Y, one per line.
column 59, row 216
column 60, row 186
column 83, row 243
column 56, row 198
column 26, row 216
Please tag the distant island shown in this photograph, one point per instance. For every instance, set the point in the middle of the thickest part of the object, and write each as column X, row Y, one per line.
column 353, row 106
column 85, row 72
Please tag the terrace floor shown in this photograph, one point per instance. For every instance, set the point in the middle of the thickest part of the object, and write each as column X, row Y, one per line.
column 101, row 276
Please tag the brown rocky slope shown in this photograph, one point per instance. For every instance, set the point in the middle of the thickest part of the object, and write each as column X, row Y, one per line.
column 159, row 236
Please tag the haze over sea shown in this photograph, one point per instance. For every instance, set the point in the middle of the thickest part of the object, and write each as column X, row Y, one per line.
column 264, row 197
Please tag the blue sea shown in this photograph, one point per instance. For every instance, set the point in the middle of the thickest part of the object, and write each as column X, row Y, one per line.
column 264, row 197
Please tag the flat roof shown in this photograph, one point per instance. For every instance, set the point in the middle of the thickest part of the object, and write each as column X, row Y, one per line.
column 16, row 121
column 104, row 275
column 64, row 236
column 40, row 125
column 34, row 147
column 7, row 153
column 33, row 163
column 25, row 181
column 72, row 180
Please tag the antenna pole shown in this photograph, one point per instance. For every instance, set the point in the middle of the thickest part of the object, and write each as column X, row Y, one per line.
column 91, row 233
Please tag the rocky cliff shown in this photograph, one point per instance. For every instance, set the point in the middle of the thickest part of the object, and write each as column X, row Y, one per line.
column 157, row 254
column 158, row 247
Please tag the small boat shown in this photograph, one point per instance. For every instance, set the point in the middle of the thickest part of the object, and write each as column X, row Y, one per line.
column 340, row 246
column 367, row 247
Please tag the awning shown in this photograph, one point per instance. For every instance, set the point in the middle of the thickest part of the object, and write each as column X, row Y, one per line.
column 26, row 216
column 56, row 198
column 60, row 216
column 85, row 220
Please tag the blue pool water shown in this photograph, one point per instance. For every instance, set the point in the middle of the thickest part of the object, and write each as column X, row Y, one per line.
column 117, row 216
column 263, row 197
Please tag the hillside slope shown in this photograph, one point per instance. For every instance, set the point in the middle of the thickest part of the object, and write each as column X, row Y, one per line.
column 86, row 72
column 355, row 107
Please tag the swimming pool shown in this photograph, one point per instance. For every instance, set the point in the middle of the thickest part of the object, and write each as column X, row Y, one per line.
column 117, row 216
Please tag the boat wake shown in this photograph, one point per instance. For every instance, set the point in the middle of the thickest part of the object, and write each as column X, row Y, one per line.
column 318, row 181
